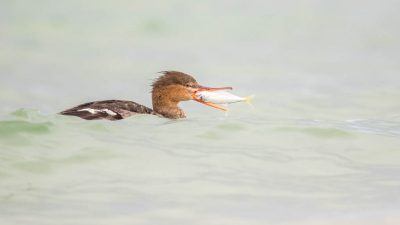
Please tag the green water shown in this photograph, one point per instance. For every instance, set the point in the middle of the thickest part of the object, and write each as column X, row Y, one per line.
column 320, row 146
column 233, row 170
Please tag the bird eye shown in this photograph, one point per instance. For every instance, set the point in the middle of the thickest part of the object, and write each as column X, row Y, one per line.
column 187, row 85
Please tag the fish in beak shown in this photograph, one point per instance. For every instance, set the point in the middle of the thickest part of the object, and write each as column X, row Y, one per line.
column 202, row 88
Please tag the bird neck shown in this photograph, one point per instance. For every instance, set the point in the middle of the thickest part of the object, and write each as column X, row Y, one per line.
column 165, row 105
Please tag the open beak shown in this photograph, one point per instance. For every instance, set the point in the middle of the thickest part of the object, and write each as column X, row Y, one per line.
column 202, row 88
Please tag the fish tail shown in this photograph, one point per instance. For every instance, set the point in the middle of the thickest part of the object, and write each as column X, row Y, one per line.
column 247, row 99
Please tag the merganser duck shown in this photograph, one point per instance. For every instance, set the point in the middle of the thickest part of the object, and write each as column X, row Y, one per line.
column 168, row 90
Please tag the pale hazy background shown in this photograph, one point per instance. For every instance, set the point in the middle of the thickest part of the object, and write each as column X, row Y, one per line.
column 58, row 53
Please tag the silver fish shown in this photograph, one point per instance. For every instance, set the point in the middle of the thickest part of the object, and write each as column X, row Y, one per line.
column 219, row 97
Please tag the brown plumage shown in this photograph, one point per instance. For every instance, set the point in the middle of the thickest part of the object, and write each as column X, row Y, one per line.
column 168, row 90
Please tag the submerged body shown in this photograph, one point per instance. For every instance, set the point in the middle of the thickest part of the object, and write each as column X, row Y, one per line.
column 168, row 90
column 109, row 110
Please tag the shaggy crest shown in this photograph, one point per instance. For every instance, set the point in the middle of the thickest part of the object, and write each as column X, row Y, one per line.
column 173, row 77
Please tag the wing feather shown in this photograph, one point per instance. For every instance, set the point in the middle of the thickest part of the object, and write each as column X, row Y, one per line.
column 108, row 109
